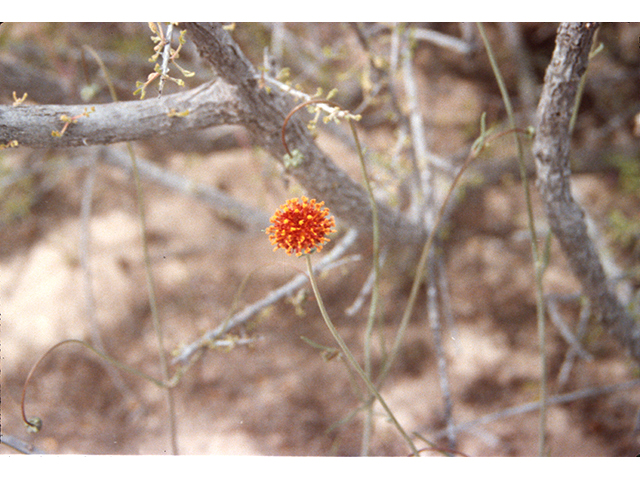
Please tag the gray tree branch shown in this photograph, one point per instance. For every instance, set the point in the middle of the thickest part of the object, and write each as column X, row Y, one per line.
column 208, row 105
column 551, row 152
column 226, row 207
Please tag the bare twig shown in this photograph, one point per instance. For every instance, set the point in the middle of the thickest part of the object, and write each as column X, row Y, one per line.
column 558, row 320
column 425, row 210
column 365, row 290
column 423, row 201
column 443, row 40
column 436, row 330
column 533, row 406
column 166, row 54
column 20, row 445
column 445, row 300
column 567, row 365
column 227, row 207
column 242, row 317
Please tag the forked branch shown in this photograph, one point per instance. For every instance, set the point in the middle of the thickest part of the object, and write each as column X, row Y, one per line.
column 263, row 113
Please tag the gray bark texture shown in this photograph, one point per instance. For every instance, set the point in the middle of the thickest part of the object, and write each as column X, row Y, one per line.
column 551, row 152
column 209, row 105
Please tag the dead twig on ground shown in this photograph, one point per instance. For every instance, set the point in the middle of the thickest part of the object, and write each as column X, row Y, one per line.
column 328, row 261
column 20, row 445
column 533, row 406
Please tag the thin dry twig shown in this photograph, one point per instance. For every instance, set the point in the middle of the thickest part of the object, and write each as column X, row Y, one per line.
column 443, row 40
column 365, row 290
column 436, row 330
column 533, row 406
column 20, row 445
column 567, row 365
column 558, row 320
column 423, row 201
column 226, row 206
column 166, row 54
column 327, row 262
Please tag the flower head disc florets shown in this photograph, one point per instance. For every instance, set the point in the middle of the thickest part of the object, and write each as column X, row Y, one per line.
column 300, row 226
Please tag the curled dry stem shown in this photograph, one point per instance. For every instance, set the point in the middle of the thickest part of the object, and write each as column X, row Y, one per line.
column 34, row 424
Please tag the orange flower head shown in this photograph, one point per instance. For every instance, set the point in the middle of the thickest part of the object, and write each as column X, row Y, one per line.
column 300, row 226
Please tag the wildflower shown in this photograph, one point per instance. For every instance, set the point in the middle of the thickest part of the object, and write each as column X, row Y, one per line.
column 300, row 226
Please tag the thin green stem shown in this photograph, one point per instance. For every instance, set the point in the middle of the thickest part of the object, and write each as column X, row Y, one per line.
column 376, row 253
column 420, row 272
column 476, row 149
column 352, row 361
column 538, row 264
column 148, row 273
column 153, row 303
column 373, row 306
